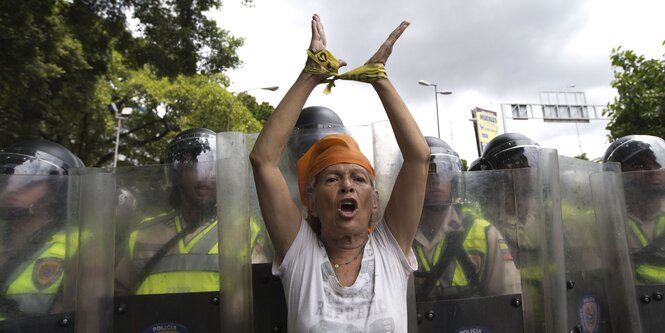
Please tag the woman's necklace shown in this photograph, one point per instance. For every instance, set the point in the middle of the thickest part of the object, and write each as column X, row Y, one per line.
column 362, row 249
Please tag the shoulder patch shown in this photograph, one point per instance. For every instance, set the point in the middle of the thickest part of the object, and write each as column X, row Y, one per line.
column 46, row 272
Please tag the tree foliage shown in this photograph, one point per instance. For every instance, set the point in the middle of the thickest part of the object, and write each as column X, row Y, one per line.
column 45, row 69
column 639, row 107
column 175, row 37
column 162, row 107
column 65, row 62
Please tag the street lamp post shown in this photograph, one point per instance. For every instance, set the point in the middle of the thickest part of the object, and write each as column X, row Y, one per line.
column 117, row 138
column 436, row 101
column 228, row 117
column 120, row 115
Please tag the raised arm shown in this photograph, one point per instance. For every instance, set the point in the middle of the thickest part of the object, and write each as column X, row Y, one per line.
column 280, row 214
column 405, row 205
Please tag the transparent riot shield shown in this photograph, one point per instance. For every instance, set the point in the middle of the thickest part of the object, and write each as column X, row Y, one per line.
column 38, row 249
column 644, row 225
column 234, row 232
column 92, row 204
column 268, row 301
column 591, row 294
column 167, row 275
column 483, row 251
column 387, row 161
column 460, row 251
column 610, row 209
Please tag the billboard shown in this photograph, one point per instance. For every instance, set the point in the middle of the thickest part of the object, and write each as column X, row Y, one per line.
column 486, row 126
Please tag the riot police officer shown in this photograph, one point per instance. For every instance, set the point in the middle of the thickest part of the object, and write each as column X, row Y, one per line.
column 33, row 192
column 642, row 159
column 313, row 123
column 460, row 254
column 176, row 251
column 511, row 151
column 508, row 202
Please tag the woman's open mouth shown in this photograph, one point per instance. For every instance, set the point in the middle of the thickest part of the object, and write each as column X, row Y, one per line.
column 347, row 208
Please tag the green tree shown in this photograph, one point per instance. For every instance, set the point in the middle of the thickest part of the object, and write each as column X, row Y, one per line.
column 260, row 111
column 639, row 107
column 163, row 107
column 175, row 37
column 47, row 74
column 60, row 55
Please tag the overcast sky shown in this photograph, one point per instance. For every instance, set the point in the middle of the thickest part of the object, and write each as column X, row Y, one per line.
column 487, row 52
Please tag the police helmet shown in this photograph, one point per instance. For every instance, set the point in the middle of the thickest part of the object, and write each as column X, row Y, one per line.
column 444, row 165
column 314, row 123
column 36, row 161
column 318, row 117
column 443, row 157
column 37, row 157
column 190, row 149
column 508, row 151
column 637, row 152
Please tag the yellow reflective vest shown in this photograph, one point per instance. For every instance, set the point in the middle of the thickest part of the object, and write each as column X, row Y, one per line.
column 649, row 273
column 475, row 243
column 34, row 284
column 191, row 265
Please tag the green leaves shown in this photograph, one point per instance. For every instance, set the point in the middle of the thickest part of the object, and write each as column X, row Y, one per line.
column 640, row 106
column 59, row 56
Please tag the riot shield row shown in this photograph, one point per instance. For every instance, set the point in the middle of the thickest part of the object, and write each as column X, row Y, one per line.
column 182, row 247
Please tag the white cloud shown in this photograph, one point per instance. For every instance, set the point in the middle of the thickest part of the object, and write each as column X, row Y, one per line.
column 486, row 52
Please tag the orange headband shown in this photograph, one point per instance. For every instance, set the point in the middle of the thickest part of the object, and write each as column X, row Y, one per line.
column 330, row 150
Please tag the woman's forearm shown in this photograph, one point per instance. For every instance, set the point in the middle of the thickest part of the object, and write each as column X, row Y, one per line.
column 277, row 130
column 406, row 130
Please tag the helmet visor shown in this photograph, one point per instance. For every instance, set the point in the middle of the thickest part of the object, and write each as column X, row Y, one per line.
column 444, row 181
column 516, row 158
column 197, row 170
column 194, row 157
column 20, row 164
column 191, row 151
column 647, row 153
column 444, row 163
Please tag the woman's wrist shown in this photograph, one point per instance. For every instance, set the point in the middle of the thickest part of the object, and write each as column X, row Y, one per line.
column 311, row 79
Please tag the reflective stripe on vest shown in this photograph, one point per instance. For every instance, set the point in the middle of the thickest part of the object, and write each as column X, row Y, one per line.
column 475, row 242
column 187, row 262
column 194, row 268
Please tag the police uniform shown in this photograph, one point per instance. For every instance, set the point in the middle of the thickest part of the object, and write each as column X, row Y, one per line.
column 32, row 269
column 483, row 246
column 189, row 264
column 644, row 193
column 32, row 286
column 640, row 237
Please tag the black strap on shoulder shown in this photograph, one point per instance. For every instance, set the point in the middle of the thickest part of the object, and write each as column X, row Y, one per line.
column 159, row 255
column 453, row 241
column 154, row 260
column 453, row 248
